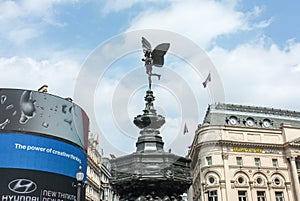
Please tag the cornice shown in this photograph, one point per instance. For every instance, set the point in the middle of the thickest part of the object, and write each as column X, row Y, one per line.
column 252, row 129
column 250, row 116
column 291, row 144
column 238, row 143
column 260, row 168
column 105, row 171
column 92, row 183
column 254, row 109
column 94, row 165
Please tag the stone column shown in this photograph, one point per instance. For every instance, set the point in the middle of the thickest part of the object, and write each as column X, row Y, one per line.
column 253, row 195
column 271, row 194
column 288, row 191
column 203, row 194
column 226, row 177
column 223, row 190
column 295, row 178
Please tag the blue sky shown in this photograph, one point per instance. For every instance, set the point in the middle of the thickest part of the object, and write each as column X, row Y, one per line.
column 252, row 47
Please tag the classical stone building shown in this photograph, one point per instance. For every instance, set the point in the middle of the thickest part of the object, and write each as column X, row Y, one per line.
column 98, row 186
column 245, row 153
column 92, row 188
column 106, row 193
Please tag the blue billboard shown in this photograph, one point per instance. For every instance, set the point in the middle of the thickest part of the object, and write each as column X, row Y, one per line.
column 24, row 151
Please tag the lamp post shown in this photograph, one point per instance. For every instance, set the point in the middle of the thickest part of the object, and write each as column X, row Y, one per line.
column 79, row 178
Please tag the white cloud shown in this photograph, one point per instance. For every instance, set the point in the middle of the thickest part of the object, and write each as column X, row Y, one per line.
column 23, row 20
column 202, row 21
column 260, row 74
column 26, row 8
column 20, row 36
column 36, row 7
column 9, row 10
column 263, row 24
column 18, row 72
column 118, row 5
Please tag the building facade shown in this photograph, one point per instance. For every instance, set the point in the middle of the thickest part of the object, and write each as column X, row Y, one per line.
column 92, row 188
column 246, row 153
column 106, row 192
column 98, row 186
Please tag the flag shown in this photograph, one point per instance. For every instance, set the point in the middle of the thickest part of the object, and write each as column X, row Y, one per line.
column 185, row 130
column 207, row 80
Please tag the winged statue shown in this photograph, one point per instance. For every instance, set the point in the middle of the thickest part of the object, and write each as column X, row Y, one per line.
column 153, row 57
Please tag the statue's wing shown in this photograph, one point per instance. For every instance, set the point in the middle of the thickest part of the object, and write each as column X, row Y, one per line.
column 158, row 54
column 146, row 45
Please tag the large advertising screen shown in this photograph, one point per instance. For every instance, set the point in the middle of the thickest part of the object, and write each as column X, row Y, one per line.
column 24, row 151
column 29, row 185
column 35, row 112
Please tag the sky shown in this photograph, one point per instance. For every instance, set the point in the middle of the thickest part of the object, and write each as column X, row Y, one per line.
column 91, row 51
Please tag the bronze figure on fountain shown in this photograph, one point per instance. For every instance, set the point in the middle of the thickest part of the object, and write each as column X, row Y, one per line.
column 150, row 173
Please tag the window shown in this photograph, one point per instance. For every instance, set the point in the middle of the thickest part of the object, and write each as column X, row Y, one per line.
column 241, row 180
column 259, row 181
column 209, row 160
column 212, row 196
column 277, row 181
column 242, row 195
column 261, row 196
column 257, row 162
column 239, row 161
column 102, row 194
column 279, row 196
column 211, row 180
column 275, row 162
column 105, row 194
column 297, row 163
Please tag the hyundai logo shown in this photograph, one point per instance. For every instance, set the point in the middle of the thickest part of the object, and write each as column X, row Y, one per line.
column 22, row 186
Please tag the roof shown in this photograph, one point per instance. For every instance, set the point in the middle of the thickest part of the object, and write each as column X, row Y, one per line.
column 222, row 114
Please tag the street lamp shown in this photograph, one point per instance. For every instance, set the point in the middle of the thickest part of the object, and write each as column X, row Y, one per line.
column 79, row 178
